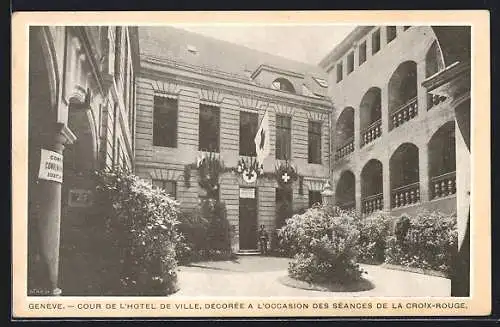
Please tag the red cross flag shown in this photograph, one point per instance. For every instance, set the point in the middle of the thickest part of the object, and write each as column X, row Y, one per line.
column 262, row 146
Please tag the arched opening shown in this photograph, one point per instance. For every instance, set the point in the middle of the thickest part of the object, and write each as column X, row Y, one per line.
column 283, row 84
column 370, row 111
column 345, row 191
column 442, row 161
column 372, row 198
column 404, row 176
column 403, row 104
column 345, row 133
column 41, row 132
column 433, row 64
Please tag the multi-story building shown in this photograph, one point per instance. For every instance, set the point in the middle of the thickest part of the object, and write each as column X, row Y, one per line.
column 393, row 141
column 197, row 94
column 81, row 114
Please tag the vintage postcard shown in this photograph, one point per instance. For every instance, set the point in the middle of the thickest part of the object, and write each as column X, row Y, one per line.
column 251, row 164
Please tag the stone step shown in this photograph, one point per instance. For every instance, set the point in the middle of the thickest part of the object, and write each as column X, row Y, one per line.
column 248, row 252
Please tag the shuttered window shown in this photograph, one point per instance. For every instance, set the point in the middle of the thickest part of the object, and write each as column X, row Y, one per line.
column 209, row 128
column 314, row 142
column 283, row 137
column 165, row 122
column 249, row 122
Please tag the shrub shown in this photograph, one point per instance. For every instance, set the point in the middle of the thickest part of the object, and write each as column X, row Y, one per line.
column 430, row 242
column 141, row 229
column 373, row 233
column 324, row 242
column 206, row 233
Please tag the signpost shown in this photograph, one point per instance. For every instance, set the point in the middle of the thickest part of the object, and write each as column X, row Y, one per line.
column 51, row 166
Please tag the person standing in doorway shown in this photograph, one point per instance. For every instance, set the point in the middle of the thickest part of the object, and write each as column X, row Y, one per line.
column 263, row 237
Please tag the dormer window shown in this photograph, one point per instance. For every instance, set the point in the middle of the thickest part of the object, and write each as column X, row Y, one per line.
column 192, row 49
column 321, row 82
column 283, row 84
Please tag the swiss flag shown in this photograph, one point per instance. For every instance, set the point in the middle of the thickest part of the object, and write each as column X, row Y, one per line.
column 262, row 146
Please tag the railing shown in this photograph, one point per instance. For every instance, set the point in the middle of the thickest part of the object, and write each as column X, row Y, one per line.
column 406, row 195
column 405, row 113
column 372, row 132
column 434, row 99
column 443, row 185
column 348, row 205
column 346, row 148
column 372, row 203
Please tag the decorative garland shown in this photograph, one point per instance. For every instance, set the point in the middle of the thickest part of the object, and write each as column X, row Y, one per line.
column 210, row 166
column 249, row 169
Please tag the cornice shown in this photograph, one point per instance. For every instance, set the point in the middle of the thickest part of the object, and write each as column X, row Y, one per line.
column 237, row 88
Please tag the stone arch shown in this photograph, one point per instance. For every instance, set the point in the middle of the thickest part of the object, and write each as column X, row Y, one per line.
column 345, row 191
column 403, row 94
column 372, row 187
column 370, row 114
column 344, row 133
column 442, row 161
column 404, row 175
column 283, row 84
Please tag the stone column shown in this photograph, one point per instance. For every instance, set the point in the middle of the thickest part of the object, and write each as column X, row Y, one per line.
column 421, row 91
column 423, row 171
column 49, row 214
column 386, row 181
column 384, row 103
column 357, row 190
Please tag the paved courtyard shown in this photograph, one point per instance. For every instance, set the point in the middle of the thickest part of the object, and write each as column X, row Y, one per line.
column 259, row 276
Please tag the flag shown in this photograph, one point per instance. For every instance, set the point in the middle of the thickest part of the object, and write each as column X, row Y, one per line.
column 262, row 146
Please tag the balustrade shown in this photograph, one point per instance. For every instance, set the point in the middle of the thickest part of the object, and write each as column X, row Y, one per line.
column 346, row 148
column 405, row 113
column 372, row 203
column 406, row 195
column 372, row 132
column 443, row 185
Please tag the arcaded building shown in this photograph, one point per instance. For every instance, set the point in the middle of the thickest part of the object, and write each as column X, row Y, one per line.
column 197, row 95
column 81, row 118
column 393, row 141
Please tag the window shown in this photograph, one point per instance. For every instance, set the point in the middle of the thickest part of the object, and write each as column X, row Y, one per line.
column 391, row 33
column 209, row 128
column 314, row 144
column 375, row 41
column 315, row 197
column 283, row 137
column 339, row 71
column 169, row 186
column 249, row 122
column 350, row 62
column 165, row 122
column 283, row 84
column 362, row 53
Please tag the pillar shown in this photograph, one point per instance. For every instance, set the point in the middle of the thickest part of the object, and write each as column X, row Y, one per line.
column 384, row 103
column 49, row 216
column 357, row 191
column 386, row 180
column 421, row 91
column 423, row 171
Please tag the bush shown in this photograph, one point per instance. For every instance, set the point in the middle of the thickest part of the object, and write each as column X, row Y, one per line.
column 141, row 230
column 206, row 233
column 430, row 242
column 373, row 233
column 324, row 242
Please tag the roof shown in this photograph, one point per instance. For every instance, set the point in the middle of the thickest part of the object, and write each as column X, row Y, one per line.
column 199, row 50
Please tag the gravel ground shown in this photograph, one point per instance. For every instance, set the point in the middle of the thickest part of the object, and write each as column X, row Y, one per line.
column 260, row 276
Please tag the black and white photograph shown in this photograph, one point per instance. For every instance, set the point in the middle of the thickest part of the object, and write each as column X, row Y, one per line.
column 265, row 161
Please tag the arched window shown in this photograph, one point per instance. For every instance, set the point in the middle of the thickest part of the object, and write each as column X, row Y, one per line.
column 370, row 111
column 344, row 137
column 372, row 198
column 403, row 104
column 433, row 64
column 442, row 161
column 404, row 177
column 283, row 84
column 345, row 191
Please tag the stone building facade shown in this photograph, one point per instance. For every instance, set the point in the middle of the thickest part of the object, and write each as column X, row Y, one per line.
column 186, row 79
column 81, row 109
column 394, row 141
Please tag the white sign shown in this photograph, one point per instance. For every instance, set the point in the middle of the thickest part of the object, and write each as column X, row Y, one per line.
column 247, row 192
column 51, row 166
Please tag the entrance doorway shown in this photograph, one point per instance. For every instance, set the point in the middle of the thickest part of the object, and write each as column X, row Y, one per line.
column 248, row 218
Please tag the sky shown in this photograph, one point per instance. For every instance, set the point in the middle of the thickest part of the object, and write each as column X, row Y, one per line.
column 305, row 43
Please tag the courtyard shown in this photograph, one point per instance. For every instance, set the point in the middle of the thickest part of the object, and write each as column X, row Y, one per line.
column 262, row 276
